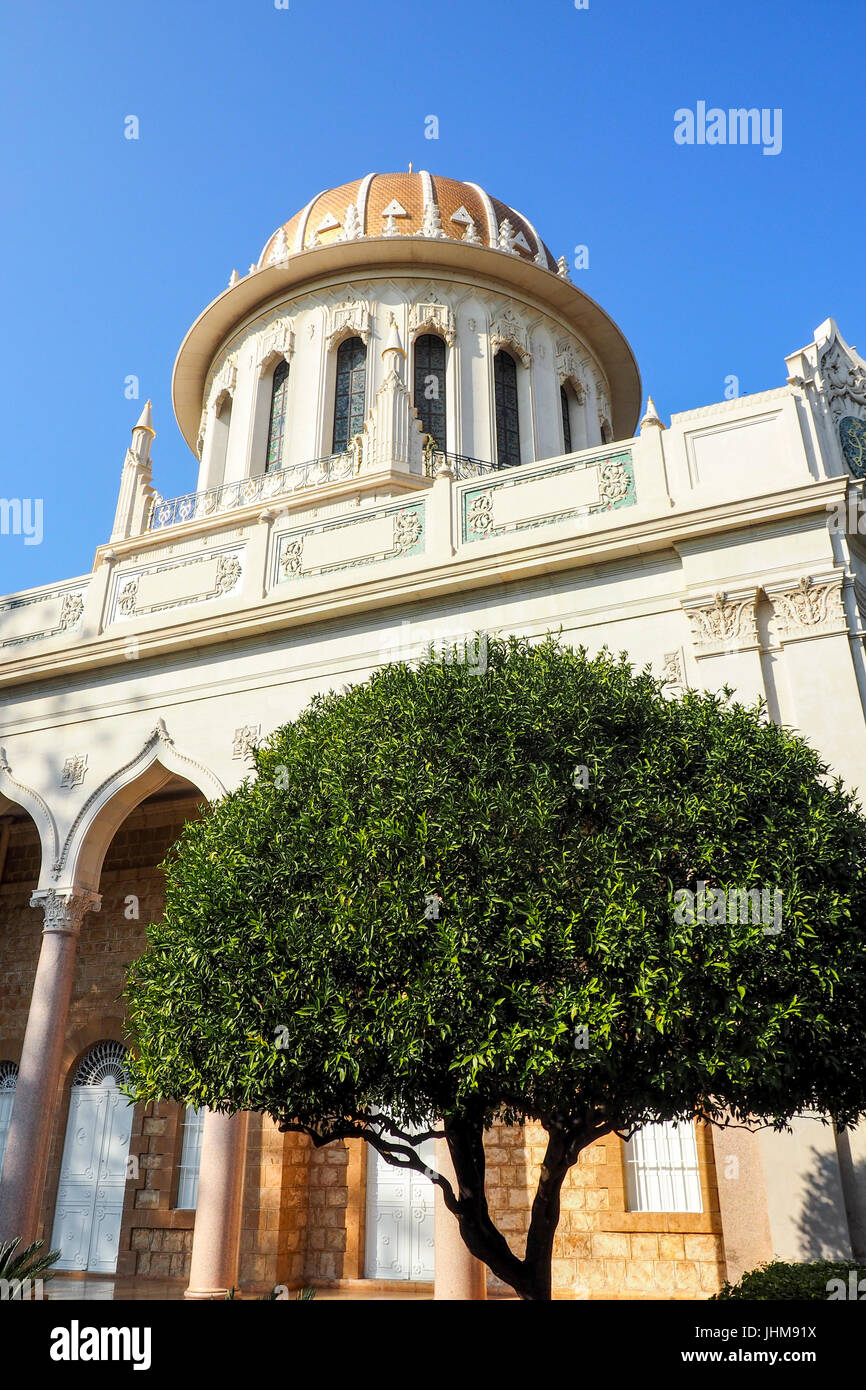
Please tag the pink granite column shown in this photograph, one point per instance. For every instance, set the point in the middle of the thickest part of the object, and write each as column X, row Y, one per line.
column 458, row 1275
column 216, row 1238
column 742, row 1200
column 29, row 1141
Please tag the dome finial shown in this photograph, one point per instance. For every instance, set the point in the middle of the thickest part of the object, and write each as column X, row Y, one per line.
column 145, row 420
column 410, row 166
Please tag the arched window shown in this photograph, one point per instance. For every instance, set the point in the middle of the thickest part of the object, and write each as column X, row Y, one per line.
column 349, row 400
column 277, row 418
column 104, row 1064
column 430, row 385
column 507, row 418
column 566, row 420
column 662, row 1172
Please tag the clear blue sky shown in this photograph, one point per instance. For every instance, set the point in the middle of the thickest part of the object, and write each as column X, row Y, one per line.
column 713, row 260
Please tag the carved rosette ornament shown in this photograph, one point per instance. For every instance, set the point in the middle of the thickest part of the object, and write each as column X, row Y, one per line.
column 64, row 908
column 127, row 596
column 613, row 482
column 245, row 740
column 407, row 531
column 70, row 613
column 228, row 573
column 291, row 560
column 480, row 515
column 74, row 770
column 723, row 623
column 810, row 608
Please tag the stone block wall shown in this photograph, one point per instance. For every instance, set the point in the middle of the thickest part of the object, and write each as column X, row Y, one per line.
column 602, row 1250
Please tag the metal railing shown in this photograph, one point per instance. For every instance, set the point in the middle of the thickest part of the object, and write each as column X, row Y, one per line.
column 461, row 465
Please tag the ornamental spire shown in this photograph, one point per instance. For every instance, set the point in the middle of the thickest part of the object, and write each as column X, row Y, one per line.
column 651, row 417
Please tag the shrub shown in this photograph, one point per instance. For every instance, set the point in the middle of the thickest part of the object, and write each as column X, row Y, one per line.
column 781, row 1279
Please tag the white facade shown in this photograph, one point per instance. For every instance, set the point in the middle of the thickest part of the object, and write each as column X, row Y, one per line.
column 702, row 548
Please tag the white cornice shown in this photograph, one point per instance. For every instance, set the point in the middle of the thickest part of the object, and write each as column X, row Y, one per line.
column 413, row 580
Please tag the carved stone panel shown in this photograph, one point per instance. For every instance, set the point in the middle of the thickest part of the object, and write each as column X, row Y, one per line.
column 723, row 622
column 177, row 584
column 389, row 533
column 49, row 613
column 349, row 319
column 546, row 495
column 810, row 607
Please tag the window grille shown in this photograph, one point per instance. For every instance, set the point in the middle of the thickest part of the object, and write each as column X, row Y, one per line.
column 105, row 1062
column 190, row 1158
column 662, row 1169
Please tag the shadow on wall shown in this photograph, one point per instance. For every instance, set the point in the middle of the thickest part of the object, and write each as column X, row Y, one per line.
column 822, row 1226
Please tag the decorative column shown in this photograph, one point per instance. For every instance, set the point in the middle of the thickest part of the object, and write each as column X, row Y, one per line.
column 216, row 1238
column 26, row 1160
column 458, row 1275
column 742, row 1200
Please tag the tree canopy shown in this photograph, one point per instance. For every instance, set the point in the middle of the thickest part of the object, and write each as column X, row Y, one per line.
column 449, row 894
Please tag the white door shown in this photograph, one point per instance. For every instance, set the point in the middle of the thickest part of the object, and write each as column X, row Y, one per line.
column 89, row 1205
column 399, row 1242
column 7, row 1097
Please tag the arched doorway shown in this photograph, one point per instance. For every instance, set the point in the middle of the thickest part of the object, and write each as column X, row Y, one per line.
column 89, row 1205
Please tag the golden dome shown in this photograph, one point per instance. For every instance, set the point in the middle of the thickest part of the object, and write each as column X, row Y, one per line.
column 401, row 205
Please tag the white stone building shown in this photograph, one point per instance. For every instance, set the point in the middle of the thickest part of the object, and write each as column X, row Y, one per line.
column 408, row 425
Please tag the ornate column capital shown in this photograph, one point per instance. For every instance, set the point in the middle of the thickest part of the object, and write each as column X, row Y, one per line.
column 810, row 606
column 723, row 621
column 64, row 908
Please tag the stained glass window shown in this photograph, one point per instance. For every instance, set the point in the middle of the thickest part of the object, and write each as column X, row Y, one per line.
column 566, row 420
column 430, row 385
column 507, row 419
column 277, row 421
column 349, row 400
column 852, row 433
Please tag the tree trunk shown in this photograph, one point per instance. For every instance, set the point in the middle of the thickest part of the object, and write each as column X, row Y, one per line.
column 531, row 1277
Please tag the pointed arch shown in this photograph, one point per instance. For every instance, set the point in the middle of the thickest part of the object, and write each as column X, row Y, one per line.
column 13, row 792
column 80, row 859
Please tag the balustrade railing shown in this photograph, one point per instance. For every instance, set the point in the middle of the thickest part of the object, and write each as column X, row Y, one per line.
column 334, row 468
column 213, row 501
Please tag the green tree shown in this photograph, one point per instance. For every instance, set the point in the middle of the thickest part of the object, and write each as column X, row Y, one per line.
column 450, row 895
